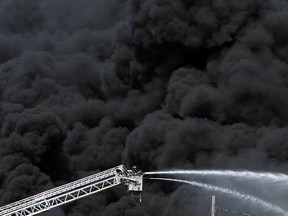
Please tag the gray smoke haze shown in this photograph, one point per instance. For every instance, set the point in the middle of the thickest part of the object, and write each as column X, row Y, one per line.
column 87, row 85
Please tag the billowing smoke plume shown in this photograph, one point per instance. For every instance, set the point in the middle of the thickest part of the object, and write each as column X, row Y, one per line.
column 87, row 85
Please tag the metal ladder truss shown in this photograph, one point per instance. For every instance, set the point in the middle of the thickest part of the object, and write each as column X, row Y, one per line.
column 47, row 204
column 30, row 201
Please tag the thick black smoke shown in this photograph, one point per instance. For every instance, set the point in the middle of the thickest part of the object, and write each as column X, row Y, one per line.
column 87, row 85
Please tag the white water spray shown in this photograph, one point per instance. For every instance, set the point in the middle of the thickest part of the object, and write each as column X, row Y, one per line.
column 233, row 193
column 228, row 173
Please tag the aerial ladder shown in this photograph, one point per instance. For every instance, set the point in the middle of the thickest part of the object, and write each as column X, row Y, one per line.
column 66, row 193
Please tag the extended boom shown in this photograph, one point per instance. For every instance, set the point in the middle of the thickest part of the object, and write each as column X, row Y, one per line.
column 75, row 190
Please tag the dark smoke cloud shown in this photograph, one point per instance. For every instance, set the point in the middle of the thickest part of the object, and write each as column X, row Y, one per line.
column 161, row 84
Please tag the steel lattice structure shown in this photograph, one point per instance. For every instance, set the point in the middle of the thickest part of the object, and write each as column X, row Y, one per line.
column 75, row 190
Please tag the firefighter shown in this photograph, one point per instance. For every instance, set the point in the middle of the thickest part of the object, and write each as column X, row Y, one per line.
column 135, row 171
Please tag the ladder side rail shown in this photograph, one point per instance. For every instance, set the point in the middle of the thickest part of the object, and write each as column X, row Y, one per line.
column 113, row 173
column 15, row 208
column 125, row 170
column 53, row 202
column 39, row 195
column 53, row 189
column 72, row 185
column 79, row 185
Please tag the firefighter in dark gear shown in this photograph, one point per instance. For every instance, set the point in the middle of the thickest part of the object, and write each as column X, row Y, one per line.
column 135, row 171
